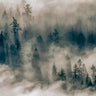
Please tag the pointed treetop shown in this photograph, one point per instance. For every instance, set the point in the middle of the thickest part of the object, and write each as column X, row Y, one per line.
column 93, row 67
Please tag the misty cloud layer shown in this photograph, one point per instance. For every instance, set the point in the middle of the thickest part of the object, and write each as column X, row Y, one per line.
column 42, row 39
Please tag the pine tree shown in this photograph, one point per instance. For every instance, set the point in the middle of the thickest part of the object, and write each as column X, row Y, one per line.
column 28, row 11
column 91, row 40
column 6, row 42
column 75, row 74
column 94, row 82
column 62, row 75
column 93, row 68
column 81, row 40
column 54, row 72
column 56, row 36
column 16, row 47
column 53, row 37
column 15, row 30
column 2, row 51
column 5, row 15
column 88, row 81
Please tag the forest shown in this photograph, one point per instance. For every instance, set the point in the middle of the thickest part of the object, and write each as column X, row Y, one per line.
column 17, row 28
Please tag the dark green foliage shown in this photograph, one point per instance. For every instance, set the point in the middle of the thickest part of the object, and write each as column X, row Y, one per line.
column 91, row 41
column 62, row 75
column 40, row 39
column 81, row 40
column 2, row 51
column 88, row 81
column 16, row 46
column 15, row 29
column 54, row 37
column 72, row 36
column 54, row 72
column 94, row 83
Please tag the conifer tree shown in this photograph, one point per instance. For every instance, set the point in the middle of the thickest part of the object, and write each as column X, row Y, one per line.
column 62, row 75
column 15, row 29
column 54, row 72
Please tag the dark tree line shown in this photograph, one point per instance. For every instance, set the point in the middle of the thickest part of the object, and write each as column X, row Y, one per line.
column 80, row 78
column 73, row 37
column 10, row 50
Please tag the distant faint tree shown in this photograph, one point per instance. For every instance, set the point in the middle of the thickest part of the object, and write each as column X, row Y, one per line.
column 18, row 13
column 91, row 40
column 39, row 39
column 27, row 13
column 93, row 68
column 54, row 37
column 54, row 72
column 5, row 15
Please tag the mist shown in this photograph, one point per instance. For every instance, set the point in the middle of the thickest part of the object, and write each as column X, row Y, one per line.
column 47, row 47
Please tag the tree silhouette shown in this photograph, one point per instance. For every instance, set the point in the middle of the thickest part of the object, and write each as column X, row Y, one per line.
column 54, row 37
column 15, row 30
column 16, row 47
column 88, row 81
column 91, row 40
column 2, row 51
column 54, row 72
column 62, row 75
column 28, row 11
column 81, row 40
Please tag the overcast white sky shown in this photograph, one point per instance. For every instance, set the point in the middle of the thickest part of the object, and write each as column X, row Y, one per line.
column 40, row 3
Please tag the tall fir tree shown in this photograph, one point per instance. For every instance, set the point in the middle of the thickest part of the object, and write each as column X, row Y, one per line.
column 54, row 72
column 62, row 75
column 16, row 47
column 15, row 29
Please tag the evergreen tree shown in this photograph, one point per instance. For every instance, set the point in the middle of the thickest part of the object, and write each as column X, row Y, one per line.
column 62, row 75
column 54, row 72
column 94, row 82
column 15, row 30
column 54, row 37
column 5, row 15
column 6, row 42
column 35, row 64
column 94, row 70
column 72, row 36
column 28, row 10
column 81, row 40
column 88, row 81
column 28, row 13
column 16, row 47
column 91, row 40
column 75, row 74
column 2, row 51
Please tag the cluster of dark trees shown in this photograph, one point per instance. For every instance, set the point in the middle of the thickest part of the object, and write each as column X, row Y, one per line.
column 10, row 49
column 79, row 78
column 10, row 37
column 73, row 37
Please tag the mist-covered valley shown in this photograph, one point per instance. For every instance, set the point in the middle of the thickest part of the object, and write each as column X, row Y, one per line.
column 47, row 47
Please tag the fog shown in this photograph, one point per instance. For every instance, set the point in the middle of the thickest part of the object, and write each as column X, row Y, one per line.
column 39, row 39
